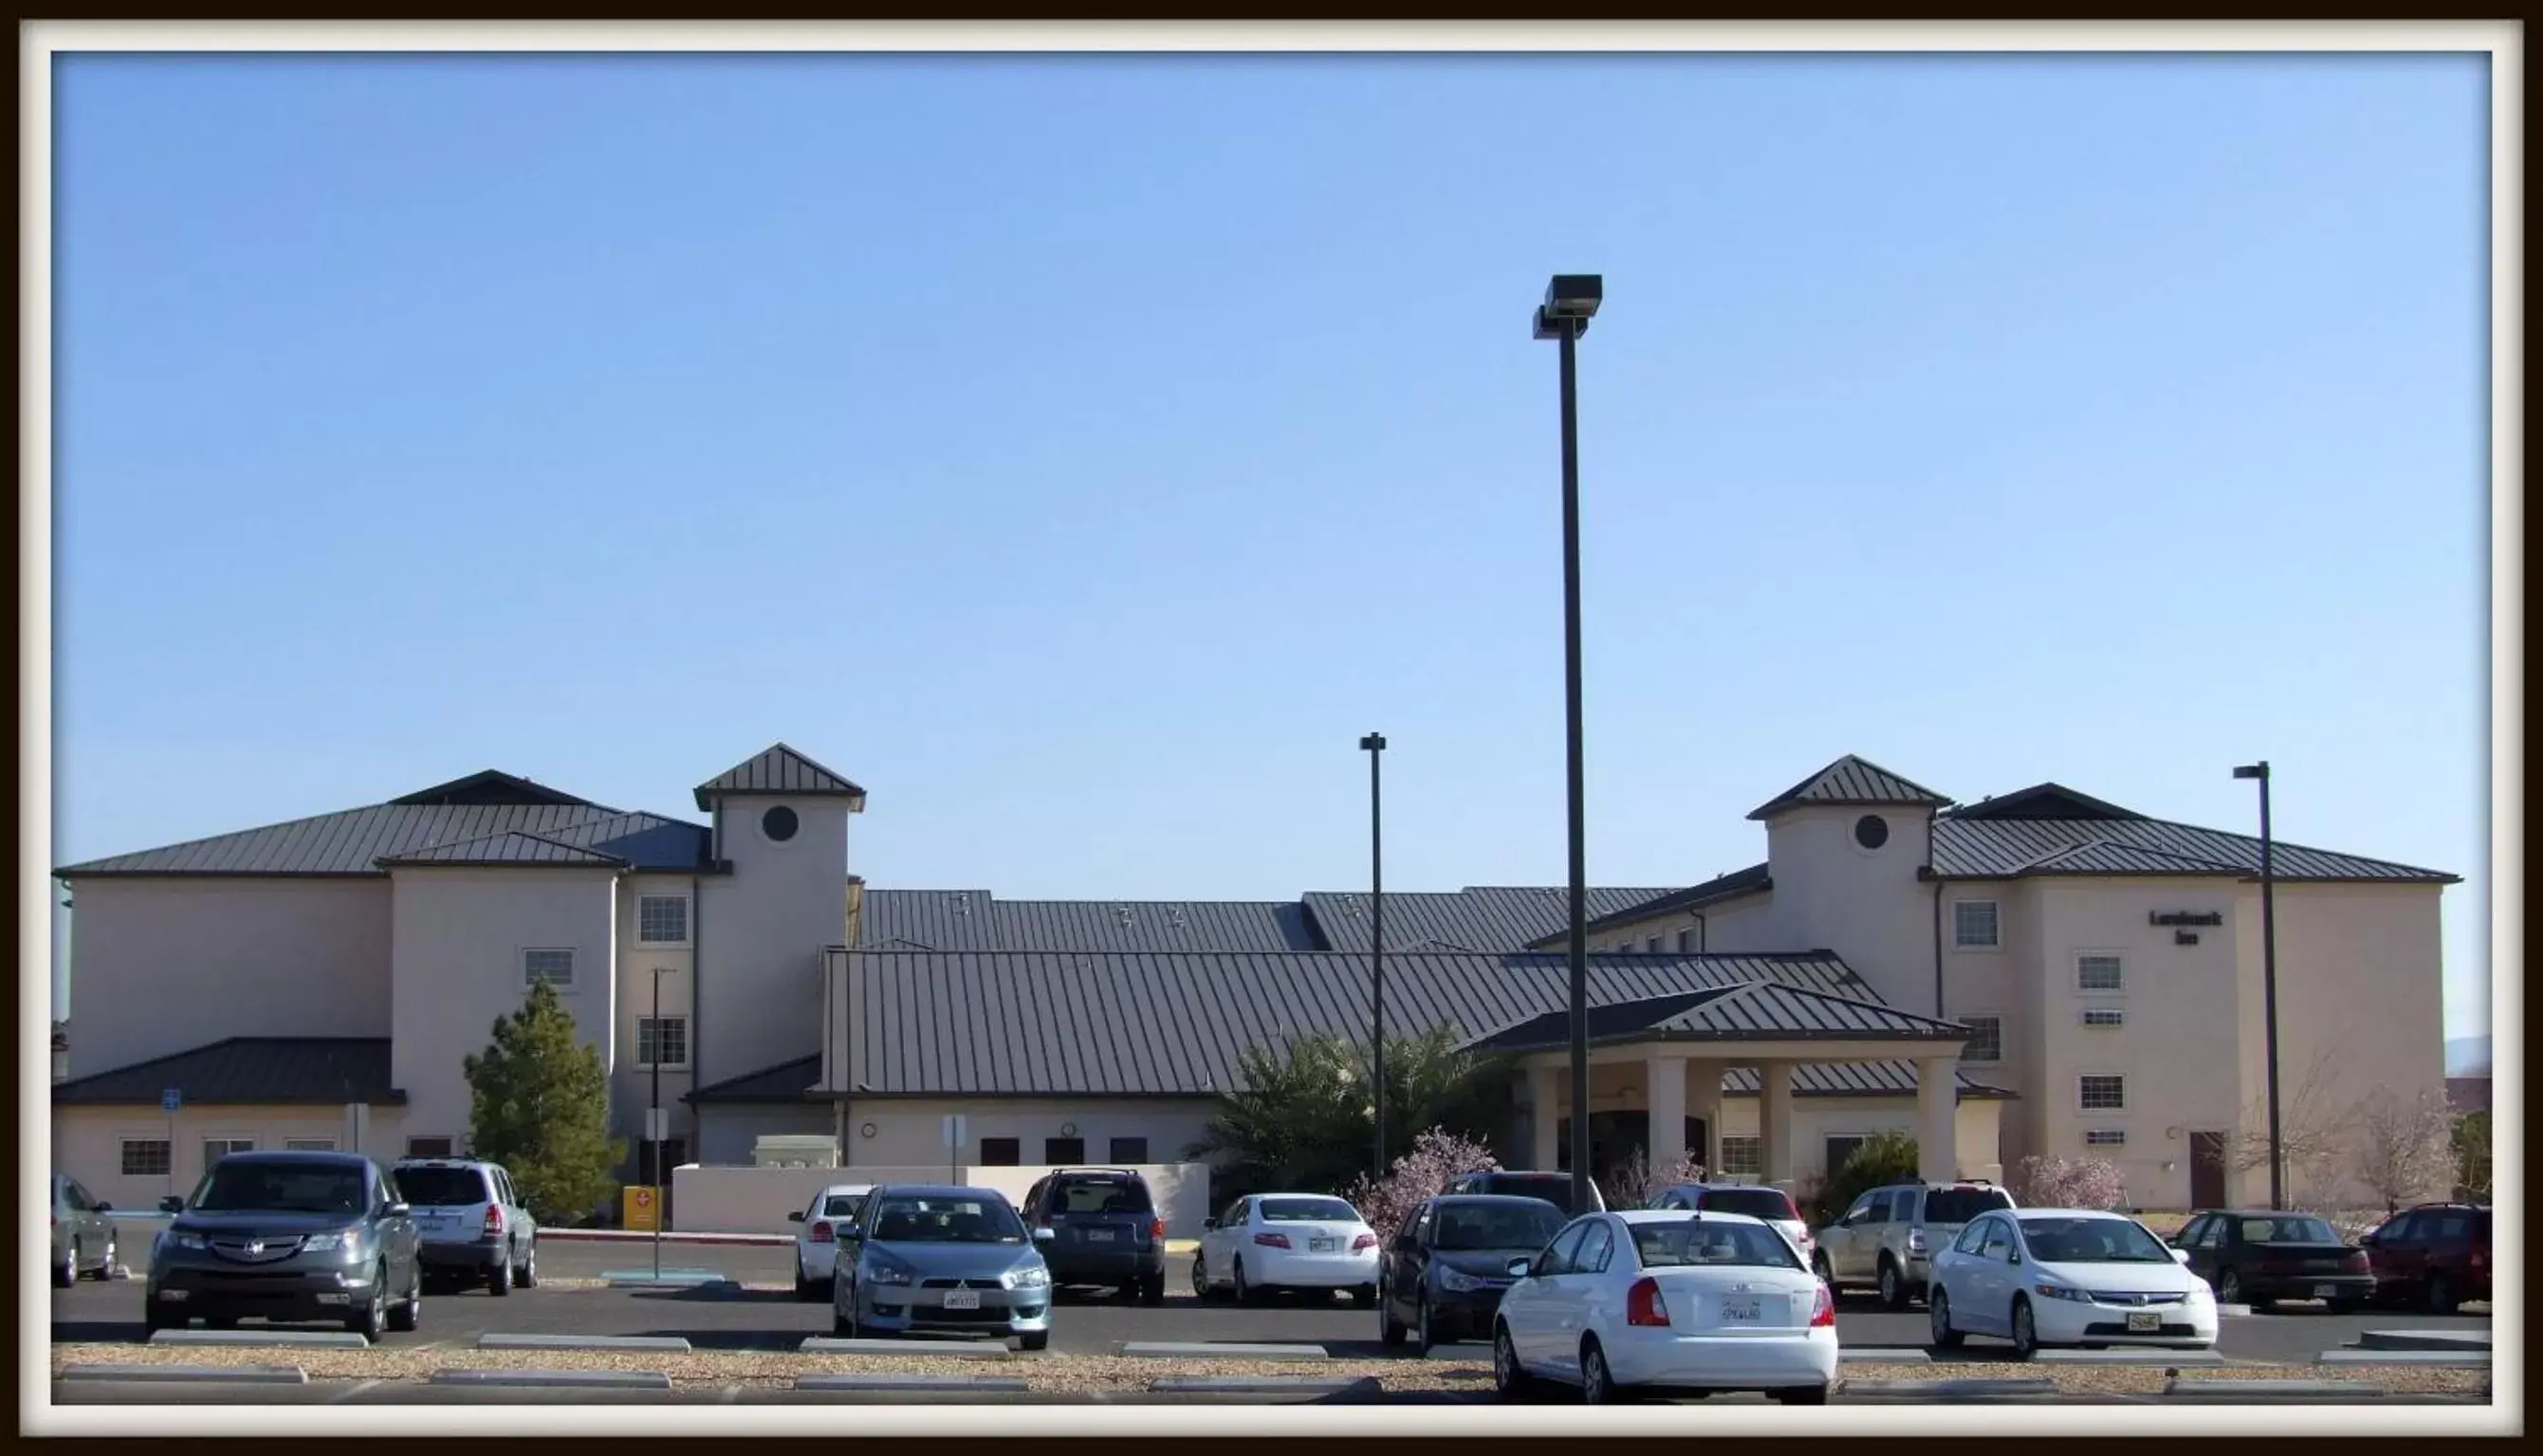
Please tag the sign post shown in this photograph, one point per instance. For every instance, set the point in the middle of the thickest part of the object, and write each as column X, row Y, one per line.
column 957, row 1134
column 170, row 1099
column 658, row 1129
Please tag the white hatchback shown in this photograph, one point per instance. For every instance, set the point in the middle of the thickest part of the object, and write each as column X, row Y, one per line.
column 1668, row 1300
column 816, row 1242
column 2040, row 1277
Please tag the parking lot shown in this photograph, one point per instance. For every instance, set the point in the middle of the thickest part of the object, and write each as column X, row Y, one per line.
column 762, row 1315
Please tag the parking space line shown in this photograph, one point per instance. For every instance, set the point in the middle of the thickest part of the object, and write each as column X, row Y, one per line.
column 355, row 1392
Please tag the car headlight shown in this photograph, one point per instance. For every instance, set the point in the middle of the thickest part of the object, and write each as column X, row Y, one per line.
column 2047, row 1290
column 334, row 1243
column 889, row 1272
column 1034, row 1278
column 1457, row 1281
column 185, row 1241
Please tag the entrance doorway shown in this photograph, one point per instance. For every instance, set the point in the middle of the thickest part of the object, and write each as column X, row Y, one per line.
column 2208, row 1170
column 1614, row 1139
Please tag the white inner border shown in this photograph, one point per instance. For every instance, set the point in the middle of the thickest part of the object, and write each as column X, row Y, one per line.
column 39, row 41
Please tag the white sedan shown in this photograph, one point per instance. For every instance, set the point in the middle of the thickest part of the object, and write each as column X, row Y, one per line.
column 1668, row 1299
column 2040, row 1277
column 1273, row 1242
column 816, row 1242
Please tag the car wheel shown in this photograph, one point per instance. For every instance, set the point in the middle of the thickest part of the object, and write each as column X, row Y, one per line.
column 2229, row 1287
column 1389, row 1333
column 407, row 1316
column 805, row 1291
column 529, row 1277
column 1597, row 1383
column 498, row 1280
column 2026, row 1334
column 371, row 1321
column 1804, row 1395
column 1200, row 1279
column 1894, row 1286
column 1245, row 1293
column 1421, row 1340
column 1034, row 1340
column 66, row 1273
column 1938, row 1310
column 106, row 1265
column 1508, row 1379
column 2441, row 1295
column 843, row 1321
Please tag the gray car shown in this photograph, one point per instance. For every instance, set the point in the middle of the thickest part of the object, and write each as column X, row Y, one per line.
column 290, row 1237
column 470, row 1223
column 83, row 1234
column 955, row 1261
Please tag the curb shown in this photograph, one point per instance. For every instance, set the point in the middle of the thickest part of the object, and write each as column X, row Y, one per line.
column 2308, row 1392
column 1214, row 1351
column 622, row 1236
column 304, row 1338
column 964, row 1384
column 2129, row 1356
column 174, row 1375
column 971, row 1350
column 672, row 1343
column 1196, row 1385
column 559, row 1379
column 2425, row 1359
column 1875, row 1356
column 667, row 1279
column 2234, row 1311
column 2453, row 1342
column 1948, row 1390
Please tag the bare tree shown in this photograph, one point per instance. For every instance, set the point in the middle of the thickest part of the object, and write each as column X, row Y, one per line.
column 2316, row 1134
column 2405, row 1146
column 1637, row 1183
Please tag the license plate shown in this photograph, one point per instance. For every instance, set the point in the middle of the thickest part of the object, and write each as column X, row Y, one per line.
column 2326, row 1292
column 2145, row 1324
column 1323, row 1246
column 1099, row 1235
column 961, row 1299
column 1740, row 1312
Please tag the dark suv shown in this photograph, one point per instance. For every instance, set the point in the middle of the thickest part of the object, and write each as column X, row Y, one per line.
column 291, row 1236
column 1104, row 1230
column 2436, row 1255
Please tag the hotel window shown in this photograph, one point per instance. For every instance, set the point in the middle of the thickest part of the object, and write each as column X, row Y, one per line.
column 1652, row 946
column 1986, row 1038
column 2104, row 1015
column 217, row 1148
column 145, row 1157
column 427, row 1147
column 556, row 967
column 662, row 920
column 669, row 1035
column 2100, row 1094
column 1973, row 925
column 309, row 1146
column 2106, row 1137
column 1742, row 1156
column 1129, row 1150
column 1686, row 942
column 2100, row 974
column 1057, row 1150
column 1001, row 1152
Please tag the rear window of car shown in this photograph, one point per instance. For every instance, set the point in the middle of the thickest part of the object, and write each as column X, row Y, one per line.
column 441, row 1187
column 1959, row 1205
column 1754, row 1202
column 1099, row 1195
column 1555, row 1190
column 2283, row 1230
column 1695, row 1243
column 842, row 1205
column 1302, row 1210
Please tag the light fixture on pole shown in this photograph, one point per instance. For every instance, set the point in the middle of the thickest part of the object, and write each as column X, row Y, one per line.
column 1571, row 300
column 1375, row 744
column 2269, row 980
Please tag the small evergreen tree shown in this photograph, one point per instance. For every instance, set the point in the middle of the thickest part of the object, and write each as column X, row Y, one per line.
column 539, row 1104
column 1885, row 1157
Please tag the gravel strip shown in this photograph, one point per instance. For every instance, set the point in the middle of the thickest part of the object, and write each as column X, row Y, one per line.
column 1110, row 1372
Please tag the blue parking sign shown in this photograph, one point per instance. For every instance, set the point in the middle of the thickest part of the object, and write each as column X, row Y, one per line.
column 171, row 1100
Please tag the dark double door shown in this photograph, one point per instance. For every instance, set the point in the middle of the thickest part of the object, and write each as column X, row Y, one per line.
column 1614, row 1139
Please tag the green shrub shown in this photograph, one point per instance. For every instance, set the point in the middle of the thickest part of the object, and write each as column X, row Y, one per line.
column 1882, row 1158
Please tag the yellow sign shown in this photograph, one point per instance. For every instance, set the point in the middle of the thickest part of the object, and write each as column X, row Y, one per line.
column 644, row 1208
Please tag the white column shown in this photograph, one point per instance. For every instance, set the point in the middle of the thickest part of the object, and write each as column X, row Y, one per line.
column 1938, row 1153
column 1542, row 1083
column 1666, row 1077
column 1704, row 1099
column 1775, row 1122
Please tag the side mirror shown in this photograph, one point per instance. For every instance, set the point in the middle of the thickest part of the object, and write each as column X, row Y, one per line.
column 396, row 1210
column 795, row 1218
column 1518, row 1268
column 2013, row 1255
column 1403, row 1244
column 1208, row 1224
column 1042, row 1235
column 172, row 1205
column 2181, row 1255
column 103, row 1208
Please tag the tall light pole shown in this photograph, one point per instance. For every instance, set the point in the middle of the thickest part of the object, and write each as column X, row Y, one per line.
column 653, row 1125
column 1375, row 744
column 2270, row 979
column 1571, row 299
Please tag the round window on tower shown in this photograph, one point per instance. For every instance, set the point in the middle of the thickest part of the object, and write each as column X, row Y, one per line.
column 1872, row 831
column 778, row 823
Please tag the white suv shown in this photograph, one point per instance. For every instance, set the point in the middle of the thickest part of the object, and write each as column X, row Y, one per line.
column 1888, row 1239
column 470, row 1223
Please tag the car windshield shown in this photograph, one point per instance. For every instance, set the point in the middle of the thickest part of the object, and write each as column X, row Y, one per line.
column 2092, row 1240
column 946, row 1220
column 1755, row 1203
column 441, row 1187
column 1307, row 1210
column 1529, row 1225
column 1959, row 1205
column 1100, row 1196
column 842, row 1205
column 2283, row 1230
column 1702, row 1242
column 237, row 1187
column 1554, row 1189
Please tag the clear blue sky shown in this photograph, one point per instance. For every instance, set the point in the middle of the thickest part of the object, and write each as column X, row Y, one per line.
column 1083, row 453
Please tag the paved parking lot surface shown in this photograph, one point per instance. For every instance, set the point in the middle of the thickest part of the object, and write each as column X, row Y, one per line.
column 771, row 1320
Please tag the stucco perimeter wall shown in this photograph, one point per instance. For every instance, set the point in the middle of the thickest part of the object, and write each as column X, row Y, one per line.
column 756, row 1200
column 88, row 1144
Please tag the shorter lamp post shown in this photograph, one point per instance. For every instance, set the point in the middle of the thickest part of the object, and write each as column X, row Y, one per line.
column 2269, row 980
column 1375, row 744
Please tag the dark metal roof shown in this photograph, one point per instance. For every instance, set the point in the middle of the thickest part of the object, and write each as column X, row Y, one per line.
column 977, row 920
column 778, row 770
column 785, row 1082
column 513, row 847
column 1487, row 919
column 2006, row 849
column 1759, row 1010
column 1731, row 887
column 1156, row 1024
column 328, row 1070
column 2042, row 802
column 1850, row 780
column 353, row 841
column 491, row 786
